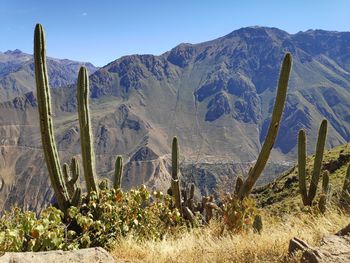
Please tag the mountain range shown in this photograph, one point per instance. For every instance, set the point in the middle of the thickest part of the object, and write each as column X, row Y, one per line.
column 216, row 96
column 17, row 73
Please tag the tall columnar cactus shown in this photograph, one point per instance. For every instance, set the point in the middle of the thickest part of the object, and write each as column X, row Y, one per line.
column 345, row 193
column 86, row 141
column 273, row 129
column 175, row 185
column 118, row 172
column 46, row 123
column 308, row 197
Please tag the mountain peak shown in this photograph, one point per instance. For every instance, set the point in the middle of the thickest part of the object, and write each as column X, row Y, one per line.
column 13, row 52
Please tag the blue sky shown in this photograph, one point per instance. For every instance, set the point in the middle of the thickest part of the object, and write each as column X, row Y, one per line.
column 103, row 30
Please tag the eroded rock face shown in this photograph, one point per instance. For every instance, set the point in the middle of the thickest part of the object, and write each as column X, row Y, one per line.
column 87, row 255
column 332, row 249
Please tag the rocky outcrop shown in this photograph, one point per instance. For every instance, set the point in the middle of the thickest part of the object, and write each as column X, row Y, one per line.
column 333, row 248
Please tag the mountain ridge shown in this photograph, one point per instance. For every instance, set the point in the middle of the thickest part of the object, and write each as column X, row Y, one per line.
column 17, row 73
column 216, row 96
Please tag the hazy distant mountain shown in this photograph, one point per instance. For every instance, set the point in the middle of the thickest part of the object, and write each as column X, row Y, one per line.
column 17, row 73
column 216, row 96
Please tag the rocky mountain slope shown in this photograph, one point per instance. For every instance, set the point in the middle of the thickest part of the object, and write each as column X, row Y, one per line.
column 215, row 96
column 17, row 73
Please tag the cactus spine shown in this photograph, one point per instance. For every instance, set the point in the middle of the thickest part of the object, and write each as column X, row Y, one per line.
column 46, row 123
column 118, row 172
column 175, row 186
column 273, row 129
column 87, row 149
column 322, row 134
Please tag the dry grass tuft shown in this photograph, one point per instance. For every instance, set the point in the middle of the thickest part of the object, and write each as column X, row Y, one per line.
column 208, row 245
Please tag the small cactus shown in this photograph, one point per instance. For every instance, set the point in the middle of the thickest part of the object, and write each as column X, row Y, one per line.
column 239, row 183
column 322, row 203
column 302, row 165
column 308, row 197
column 345, row 193
column 258, row 224
column 118, row 172
column 70, row 175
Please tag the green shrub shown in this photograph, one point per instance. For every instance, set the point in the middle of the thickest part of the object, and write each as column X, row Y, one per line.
column 238, row 215
column 22, row 231
column 100, row 221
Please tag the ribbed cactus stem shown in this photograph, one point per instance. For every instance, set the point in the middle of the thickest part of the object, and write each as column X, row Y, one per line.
column 118, row 172
column 46, row 123
column 175, row 174
column 321, row 141
column 272, row 131
column 302, row 165
column 86, row 141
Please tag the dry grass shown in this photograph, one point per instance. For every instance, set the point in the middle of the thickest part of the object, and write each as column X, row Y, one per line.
column 208, row 245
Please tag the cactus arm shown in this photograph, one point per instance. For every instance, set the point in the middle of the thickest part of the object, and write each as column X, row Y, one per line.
column 86, row 141
column 322, row 134
column 302, row 165
column 273, row 128
column 66, row 173
column 46, row 123
column 75, row 170
column 118, row 172
column 174, row 174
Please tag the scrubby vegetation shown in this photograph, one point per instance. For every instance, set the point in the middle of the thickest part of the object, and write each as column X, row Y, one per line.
column 99, row 221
